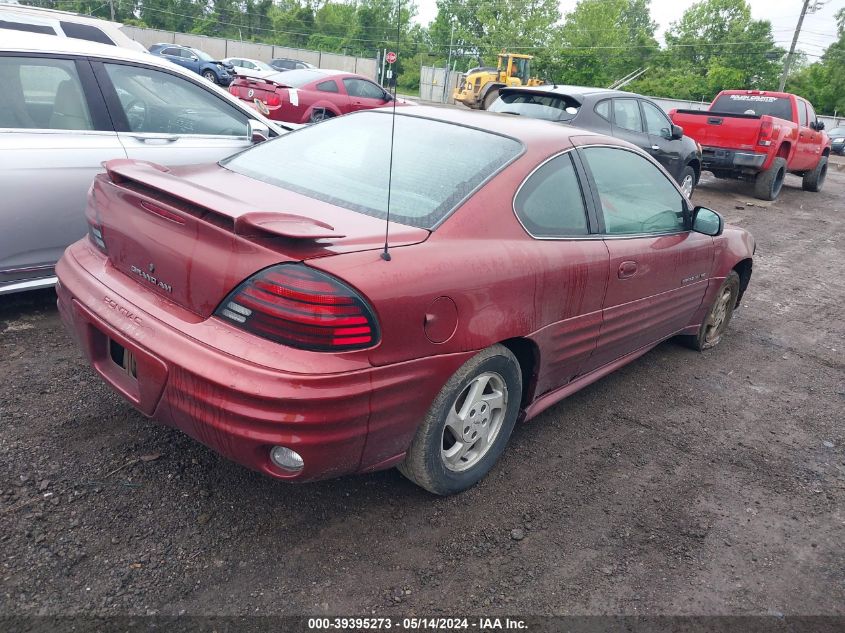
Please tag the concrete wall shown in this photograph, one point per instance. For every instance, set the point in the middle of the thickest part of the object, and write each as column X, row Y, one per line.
column 220, row 48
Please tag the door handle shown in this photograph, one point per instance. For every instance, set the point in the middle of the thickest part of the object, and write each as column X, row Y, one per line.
column 627, row 269
column 145, row 138
column 655, row 147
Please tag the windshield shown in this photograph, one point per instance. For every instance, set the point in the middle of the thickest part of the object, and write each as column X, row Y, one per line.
column 837, row 131
column 779, row 107
column 551, row 107
column 203, row 56
column 346, row 162
column 263, row 66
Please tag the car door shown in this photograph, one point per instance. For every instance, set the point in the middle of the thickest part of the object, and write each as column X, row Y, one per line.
column 558, row 213
column 665, row 150
column 812, row 140
column 174, row 54
column 628, row 122
column 658, row 268
column 801, row 155
column 166, row 118
column 54, row 135
column 363, row 94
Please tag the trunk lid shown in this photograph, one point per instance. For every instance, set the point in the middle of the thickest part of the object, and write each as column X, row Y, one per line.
column 179, row 233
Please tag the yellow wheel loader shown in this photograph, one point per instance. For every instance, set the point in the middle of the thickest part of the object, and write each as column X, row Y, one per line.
column 479, row 87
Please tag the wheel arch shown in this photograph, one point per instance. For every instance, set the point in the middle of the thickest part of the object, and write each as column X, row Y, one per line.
column 528, row 356
column 784, row 150
column 743, row 269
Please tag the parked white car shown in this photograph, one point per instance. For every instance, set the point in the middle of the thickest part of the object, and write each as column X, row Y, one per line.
column 68, row 105
column 19, row 17
column 255, row 68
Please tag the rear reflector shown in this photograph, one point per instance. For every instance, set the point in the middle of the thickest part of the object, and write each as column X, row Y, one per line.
column 303, row 308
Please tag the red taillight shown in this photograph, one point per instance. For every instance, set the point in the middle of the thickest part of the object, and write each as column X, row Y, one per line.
column 233, row 89
column 301, row 307
column 766, row 129
column 273, row 99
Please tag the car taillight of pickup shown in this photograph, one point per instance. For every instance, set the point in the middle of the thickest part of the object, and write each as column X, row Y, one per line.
column 759, row 136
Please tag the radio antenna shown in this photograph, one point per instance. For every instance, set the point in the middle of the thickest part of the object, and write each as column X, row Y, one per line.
column 385, row 255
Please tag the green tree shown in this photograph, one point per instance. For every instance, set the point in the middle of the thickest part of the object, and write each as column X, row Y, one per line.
column 823, row 82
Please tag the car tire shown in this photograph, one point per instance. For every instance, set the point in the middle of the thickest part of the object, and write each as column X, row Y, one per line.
column 444, row 464
column 768, row 184
column 814, row 180
column 687, row 181
column 718, row 316
column 210, row 76
column 490, row 98
column 319, row 114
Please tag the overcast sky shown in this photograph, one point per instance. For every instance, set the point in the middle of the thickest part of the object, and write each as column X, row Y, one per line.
column 817, row 32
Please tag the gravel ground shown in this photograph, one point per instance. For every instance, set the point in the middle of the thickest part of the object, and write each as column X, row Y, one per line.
column 684, row 483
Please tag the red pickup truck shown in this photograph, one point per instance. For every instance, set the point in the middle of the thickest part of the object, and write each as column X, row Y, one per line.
column 759, row 135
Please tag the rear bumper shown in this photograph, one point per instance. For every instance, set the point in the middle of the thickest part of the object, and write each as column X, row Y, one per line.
column 340, row 423
column 728, row 159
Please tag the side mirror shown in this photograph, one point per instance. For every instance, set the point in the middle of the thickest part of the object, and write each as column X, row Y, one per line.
column 677, row 132
column 194, row 58
column 387, row 96
column 707, row 221
column 819, row 126
column 258, row 132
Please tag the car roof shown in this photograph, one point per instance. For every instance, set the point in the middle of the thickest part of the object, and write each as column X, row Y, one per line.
column 579, row 92
column 22, row 41
column 55, row 14
column 523, row 129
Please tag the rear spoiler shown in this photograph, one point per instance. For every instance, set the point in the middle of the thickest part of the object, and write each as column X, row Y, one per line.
column 157, row 183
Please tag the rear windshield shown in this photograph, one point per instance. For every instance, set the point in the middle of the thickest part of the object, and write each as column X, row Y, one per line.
column 779, row 107
column 346, row 162
column 297, row 78
column 537, row 106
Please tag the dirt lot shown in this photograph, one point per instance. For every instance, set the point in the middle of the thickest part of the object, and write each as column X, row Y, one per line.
column 685, row 483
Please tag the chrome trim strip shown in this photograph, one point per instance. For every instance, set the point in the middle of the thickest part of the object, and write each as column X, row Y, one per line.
column 27, row 269
column 30, row 284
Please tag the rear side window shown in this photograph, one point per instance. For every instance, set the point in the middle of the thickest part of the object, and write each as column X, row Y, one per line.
column 603, row 109
column 85, row 32
column 42, row 93
column 626, row 114
column 327, row 86
column 779, row 107
column 550, row 203
column 29, row 28
column 550, row 107
column 345, row 161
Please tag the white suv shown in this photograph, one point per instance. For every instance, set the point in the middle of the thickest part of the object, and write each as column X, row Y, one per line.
column 18, row 17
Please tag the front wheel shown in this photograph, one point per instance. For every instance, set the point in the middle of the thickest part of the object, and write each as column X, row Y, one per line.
column 814, row 180
column 718, row 317
column 209, row 74
column 319, row 114
column 489, row 99
column 468, row 425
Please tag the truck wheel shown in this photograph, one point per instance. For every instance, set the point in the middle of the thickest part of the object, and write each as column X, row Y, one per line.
column 489, row 98
column 814, row 180
column 769, row 182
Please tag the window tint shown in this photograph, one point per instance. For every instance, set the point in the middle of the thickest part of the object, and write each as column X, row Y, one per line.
column 161, row 103
column 537, row 106
column 626, row 114
column 29, row 28
column 174, row 52
column 363, row 89
column 346, row 161
column 754, row 104
column 42, row 93
column 85, row 32
column 603, row 109
column 802, row 113
column 655, row 121
column 327, row 86
column 635, row 196
column 550, row 203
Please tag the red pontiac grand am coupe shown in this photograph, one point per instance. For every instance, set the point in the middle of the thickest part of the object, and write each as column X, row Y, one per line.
column 310, row 94
column 248, row 303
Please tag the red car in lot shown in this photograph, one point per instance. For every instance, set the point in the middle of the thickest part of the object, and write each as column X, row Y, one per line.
column 251, row 305
column 309, row 95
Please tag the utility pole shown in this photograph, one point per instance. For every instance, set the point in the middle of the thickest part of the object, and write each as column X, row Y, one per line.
column 111, row 7
column 816, row 6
